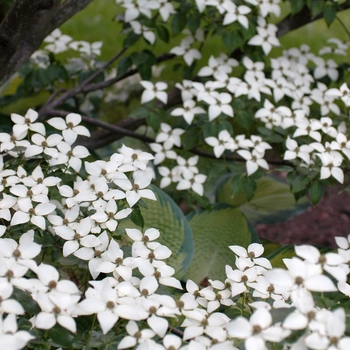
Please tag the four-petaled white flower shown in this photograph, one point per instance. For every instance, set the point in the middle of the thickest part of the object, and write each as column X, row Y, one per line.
column 153, row 91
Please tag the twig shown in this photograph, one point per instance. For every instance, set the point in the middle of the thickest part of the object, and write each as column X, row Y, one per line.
column 52, row 103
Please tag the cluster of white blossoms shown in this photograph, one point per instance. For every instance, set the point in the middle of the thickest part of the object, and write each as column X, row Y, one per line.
column 315, row 143
column 81, row 216
column 227, row 11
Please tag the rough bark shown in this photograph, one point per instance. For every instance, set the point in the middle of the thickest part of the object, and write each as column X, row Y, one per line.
column 26, row 25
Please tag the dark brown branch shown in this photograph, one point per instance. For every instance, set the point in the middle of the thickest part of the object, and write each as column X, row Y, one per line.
column 53, row 103
column 15, row 25
column 34, row 30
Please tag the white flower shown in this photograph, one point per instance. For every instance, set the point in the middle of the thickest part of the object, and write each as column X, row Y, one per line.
column 133, row 159
column 161, row 152
column 295, row 151
column 253, row 252
column 188, row 111
column 265, row 38
column 87, row 48
column 169, row 136
column 189, row 54
column 153, row 91
column 10, row 336
column 70, row 127
column 331, row 167
column 324, row 68
column 343, row 92
column 136, row 336
column 300, row 274
column 236, row 13
column 57, row 41
column 187, row 90
column 56, row 307
column 195, row 182
column 67, row 155
column 133, row 10
column 255, row 331
column 23, row 124
column 136, row 190
column 334, row 325
column 219, row 105
column 216, row 68
column 166, row 9
column 35, row 215
column 254, row 160
column 140, row 29
column 222, row 143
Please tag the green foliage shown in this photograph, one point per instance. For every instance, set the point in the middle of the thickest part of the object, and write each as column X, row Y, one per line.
column 271, row 203
column 213, row 231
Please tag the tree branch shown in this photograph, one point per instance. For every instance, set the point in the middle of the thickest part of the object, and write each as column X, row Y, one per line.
column 52, row 103
column 292, row 22
column 15, row 25
column 39, row 20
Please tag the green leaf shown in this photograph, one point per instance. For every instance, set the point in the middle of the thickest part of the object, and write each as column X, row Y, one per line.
column 317, row 7
column 330, row 13
column 213, row 231
column 143, row 57
column 193, row 22
column 145, row 71
column 271, row 203
column 124, row 64
column 300, row 183
column 61, row 336
column 139, row 113
column 137, row 218
column 163, row 33
column 191, row 137
column 178, row 23
column 28, row 303
column 153, row 121
column 210, row 129
column 296, row 6
column 245, row 119
column 131, row 39
column 143, row 61
column 237, row 186
column 175, row 231
column 249, row 187
column 229, row 40
column 316, row 192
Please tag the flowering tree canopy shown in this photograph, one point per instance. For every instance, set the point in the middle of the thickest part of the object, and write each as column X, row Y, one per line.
column 130, row 188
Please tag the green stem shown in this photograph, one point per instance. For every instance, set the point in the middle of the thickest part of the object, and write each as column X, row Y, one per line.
column 92, row 328
column 344, row 26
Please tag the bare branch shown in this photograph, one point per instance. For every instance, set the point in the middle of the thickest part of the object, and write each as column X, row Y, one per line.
column 53, row 103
